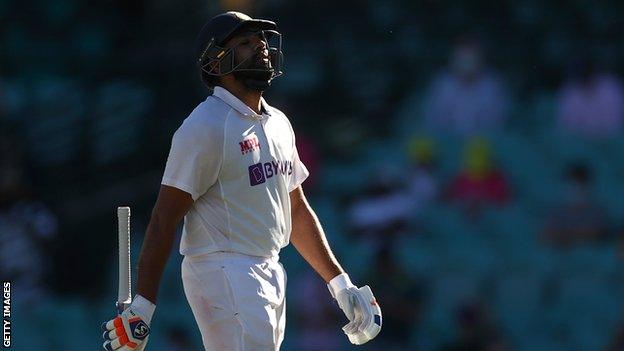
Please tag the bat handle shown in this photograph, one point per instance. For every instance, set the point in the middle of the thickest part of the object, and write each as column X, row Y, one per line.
column 121, row 306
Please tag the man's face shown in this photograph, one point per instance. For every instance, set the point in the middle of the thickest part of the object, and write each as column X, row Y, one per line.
column 250, row 49
column 252, row 64
column 466, row 60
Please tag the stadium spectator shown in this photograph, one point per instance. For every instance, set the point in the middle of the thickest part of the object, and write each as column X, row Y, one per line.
column 26, row 224
column 422, row 178
column 383, row 211
column 480, row 183
column 467, row 97
column 579, row 217
column 590, row 103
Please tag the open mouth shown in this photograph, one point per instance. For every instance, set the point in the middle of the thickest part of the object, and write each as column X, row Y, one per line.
column 263, row 58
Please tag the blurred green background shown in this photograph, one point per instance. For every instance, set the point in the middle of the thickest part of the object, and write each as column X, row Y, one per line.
column 467, row 162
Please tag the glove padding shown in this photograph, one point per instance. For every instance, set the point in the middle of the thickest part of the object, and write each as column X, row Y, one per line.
column 127, row 332
column 360, row 307
column 367, row 325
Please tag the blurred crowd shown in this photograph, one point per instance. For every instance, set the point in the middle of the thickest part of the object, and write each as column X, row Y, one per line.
column 466, row 162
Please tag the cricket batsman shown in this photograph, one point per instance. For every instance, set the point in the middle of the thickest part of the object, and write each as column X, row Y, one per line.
column 234, row 175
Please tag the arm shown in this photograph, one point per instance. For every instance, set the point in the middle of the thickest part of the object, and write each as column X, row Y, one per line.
column 309, row 239
column 359, row 305
column 171, row 206
column 130, row 329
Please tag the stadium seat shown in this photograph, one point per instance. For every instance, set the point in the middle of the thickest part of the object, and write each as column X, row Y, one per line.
column 518, row 303
column 120, row 111
column 58, row 106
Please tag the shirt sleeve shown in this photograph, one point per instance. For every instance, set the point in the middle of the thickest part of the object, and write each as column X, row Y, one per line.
column 299, row 170
column 194, row 159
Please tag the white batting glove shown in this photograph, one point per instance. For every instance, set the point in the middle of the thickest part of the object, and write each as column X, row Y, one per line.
column 360, row 308
column 130, row 330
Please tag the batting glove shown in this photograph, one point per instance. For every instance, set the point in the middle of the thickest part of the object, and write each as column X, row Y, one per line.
column 360, row 308
column 129, row 330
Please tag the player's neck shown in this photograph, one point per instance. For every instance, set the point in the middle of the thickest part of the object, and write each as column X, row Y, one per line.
column 248, row 96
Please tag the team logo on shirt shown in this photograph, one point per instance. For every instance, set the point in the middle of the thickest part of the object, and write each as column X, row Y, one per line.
column 260, row 172
column 249, row 144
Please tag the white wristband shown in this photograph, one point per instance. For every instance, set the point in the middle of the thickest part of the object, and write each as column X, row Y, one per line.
column 338, row 283
column 144, row 307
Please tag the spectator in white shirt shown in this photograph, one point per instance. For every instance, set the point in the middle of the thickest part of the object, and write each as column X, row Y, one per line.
column 467, row 97
column 590, row 103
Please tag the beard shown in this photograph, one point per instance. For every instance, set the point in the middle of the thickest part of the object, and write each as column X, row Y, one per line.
column 255, row 73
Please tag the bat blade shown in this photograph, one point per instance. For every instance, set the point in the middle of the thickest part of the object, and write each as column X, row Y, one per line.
column 124, row 292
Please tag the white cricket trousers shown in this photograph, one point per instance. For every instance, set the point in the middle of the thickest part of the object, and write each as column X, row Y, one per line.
column 239, row 301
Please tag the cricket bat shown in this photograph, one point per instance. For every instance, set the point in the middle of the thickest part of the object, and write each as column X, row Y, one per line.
column 124, row 292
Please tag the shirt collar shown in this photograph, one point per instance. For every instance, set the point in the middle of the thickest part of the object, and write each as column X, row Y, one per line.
column 240, row 106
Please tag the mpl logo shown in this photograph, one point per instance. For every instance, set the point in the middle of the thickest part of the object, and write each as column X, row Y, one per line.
column 140, row 330
column 260, row 172
column 249, row 144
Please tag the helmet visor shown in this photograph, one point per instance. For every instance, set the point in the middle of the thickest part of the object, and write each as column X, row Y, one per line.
column 222, row 61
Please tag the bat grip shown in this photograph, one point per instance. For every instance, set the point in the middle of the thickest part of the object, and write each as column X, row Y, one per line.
column 121, row 306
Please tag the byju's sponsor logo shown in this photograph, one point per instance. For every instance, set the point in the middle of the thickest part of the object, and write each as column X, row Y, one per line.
column 249, row 144
column 260, row 172
column 256, row 175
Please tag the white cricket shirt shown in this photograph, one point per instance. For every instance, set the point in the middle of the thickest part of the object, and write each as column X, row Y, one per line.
column 239, row 167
